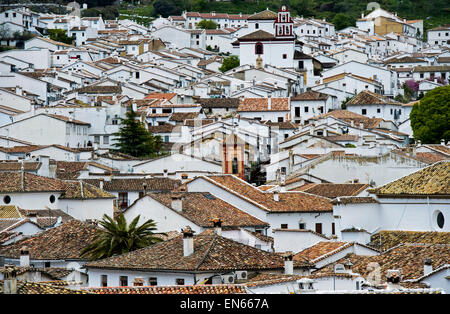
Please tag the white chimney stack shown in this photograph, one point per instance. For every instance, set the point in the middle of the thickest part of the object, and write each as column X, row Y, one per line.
column 165, row 173
column 276, row 196
column 177, row 203
column 24, row 257
column 288, row 263
column 427, row 266
column 269, row 102
column 217, row 223
column 188, row 241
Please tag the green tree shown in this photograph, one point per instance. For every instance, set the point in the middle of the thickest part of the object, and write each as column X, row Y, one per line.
column 229, row 63
column 133, row 139
column 430, row 118
column 60, row 35
column 207, row 24
column 116, row 238
column 342, row 21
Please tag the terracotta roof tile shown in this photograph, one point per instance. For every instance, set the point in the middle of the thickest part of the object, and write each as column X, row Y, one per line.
column 187, row 289
column 430, row 181
column 200, row 208
column 385, row 240
column 211, row 253
column 262, row 104
column 332, row 190
column 60, row 243
column 288, row 201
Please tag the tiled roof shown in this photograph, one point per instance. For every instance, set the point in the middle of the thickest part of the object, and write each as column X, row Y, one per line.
column 288, row 201
column 263, row 15
column 370, row 98
column 211, row 253
column 262, row 104
column 153, row 184
column 166, row 96
column 15, row 165
column 430, row 181
column 354, row 200
column 59, row 243
column 385, row 240
column 265, row 279
column 9, row 211
column 188, row 289
column 406, row 257
column 83, row 190
column 340, row 114
column 200, row 208
column 29, row 287
column 11, row 182
column 320, row 251
column 310, row 95
column 99, row 89
column 164, row 128
column 181, row 116
column 258, row 35
column 219, row 102
column 332, row 190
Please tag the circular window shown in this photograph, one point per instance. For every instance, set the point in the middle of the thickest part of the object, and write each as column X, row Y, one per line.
column 440, row 220
column 52, row 198
column 7, row 199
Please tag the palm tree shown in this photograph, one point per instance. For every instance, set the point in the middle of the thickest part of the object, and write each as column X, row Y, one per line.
column 117, row 238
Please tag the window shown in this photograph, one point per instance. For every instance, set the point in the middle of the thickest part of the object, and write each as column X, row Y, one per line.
column 440, row 220
column 167, row 110
column 284, row 226
column 302, row 225
column 297, row 111
column 106, row 139
column 104, row 281
column 333, row 228
column 300, row 65
column 235, row 165
column 46, row 264
column 180, row 281
column 67, row 129
column 137, row 75
column 152, row 281
column 286, row 135
column 284, row 56
column 166, row 138
column 259, row 49
column 319, row 228
column 363, row 111
column 52, row 198
column 123, row 281
column 280, row 119
column 97, row 139
column 7, row 199
column 306, row 109
column 256, row 25
column 378, row 110
column 123, row 199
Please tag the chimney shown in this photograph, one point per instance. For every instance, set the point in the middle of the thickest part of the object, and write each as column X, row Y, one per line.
column 24, row 257
column 288, row 263
column 188, row 241
column 291, row 160
column 442, row 142
column 184, row 178
column 177, row 203
column 101, row 184
column 10, row 282
column 165, row 173
column 144, row 187
column 19, row 90
column 427, row 266
column 217, row 223
column 276, row 196
column 269, row 101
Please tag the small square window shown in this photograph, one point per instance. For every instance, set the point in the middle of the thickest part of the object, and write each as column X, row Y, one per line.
column 284, row 56
column 153, row 281
column 284, row 226
column 123, row 281
column 104, row 280
column 180, row 281
column 364, row 111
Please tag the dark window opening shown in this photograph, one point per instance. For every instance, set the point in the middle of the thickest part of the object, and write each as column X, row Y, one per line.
column 259, row 49
column 319, row 228
column 440, row 220
column 7, row 199
column 235, row 165
column 180, row 281
column 104, row 280
column 284, row 226
column 153, row 281
column 123, row 281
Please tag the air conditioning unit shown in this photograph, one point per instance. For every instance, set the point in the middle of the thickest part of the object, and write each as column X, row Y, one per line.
column 228, row 278
column 241, row 275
